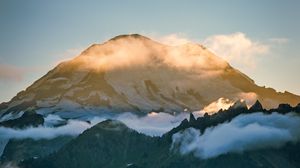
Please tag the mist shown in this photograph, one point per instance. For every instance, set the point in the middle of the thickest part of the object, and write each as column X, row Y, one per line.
column 72, row 128
column 46, row 131
column 152, row 124
column 244, row 133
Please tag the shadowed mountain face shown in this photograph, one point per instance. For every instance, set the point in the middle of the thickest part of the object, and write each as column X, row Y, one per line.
column 134, row 73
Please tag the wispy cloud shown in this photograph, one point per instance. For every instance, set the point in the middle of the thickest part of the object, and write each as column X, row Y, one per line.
column 279, row 40
column 11, row 73
column 72, row 52
column 68, row 54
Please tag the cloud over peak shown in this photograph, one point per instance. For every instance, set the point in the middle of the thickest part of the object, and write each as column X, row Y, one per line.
column 237, row 48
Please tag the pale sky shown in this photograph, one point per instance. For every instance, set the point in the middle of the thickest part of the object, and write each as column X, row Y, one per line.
column 260, row 38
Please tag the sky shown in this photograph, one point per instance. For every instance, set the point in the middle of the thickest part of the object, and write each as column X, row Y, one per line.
column 260, row 38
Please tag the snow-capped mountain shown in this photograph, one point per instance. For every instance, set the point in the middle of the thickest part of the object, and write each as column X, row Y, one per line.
column 134, row 73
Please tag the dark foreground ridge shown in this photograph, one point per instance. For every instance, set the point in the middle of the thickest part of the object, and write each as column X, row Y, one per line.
column 222, row 116
column 29, row 118
column 112, row 144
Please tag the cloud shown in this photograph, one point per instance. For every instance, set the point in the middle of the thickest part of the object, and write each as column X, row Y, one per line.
column 279, row 40
column 67, row 55
column 174, row 39
column 153, row 124
column 72, row 128
column 249, row 97
column 46, row 131
column 11, row 73
column 134, row 51
column 243, row 133
column 237, row 48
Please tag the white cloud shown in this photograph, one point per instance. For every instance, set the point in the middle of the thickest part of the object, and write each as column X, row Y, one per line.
column 73, row 128
column 153, row 124
column 174, row 39
column 237, row 48
column 279, row 40
column 243, row 133
column 135, row 53
column 249, row 97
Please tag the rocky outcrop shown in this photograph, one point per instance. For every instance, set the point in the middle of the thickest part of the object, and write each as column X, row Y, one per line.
column 29, row 118
column 222, row 116
column 256, row 107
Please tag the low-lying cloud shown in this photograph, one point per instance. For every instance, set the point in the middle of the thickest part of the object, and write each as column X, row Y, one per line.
column 243, row 133
column 153, row 124
column 72, row 128
column 46, row 131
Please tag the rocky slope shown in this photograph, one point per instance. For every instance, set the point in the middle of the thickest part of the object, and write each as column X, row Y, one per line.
column 134, row 73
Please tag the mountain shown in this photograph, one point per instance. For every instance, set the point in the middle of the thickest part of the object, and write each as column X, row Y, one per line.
column 17, row 150
column 29, row 118
column 107, row 144
column 112, row 144
column 134, row 73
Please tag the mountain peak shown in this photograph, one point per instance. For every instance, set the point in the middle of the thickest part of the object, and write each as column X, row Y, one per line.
column 256, row 106
column 124, row 36
column 134, row 73
column 113, row 125
column 239, row 104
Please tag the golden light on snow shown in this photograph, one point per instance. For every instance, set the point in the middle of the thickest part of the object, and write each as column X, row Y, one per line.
column 221, row 103
column 141, row 51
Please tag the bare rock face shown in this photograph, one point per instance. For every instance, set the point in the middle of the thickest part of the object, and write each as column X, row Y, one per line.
column 256, row 106
column 134, row 73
